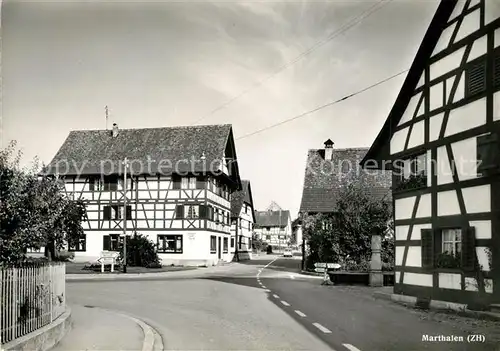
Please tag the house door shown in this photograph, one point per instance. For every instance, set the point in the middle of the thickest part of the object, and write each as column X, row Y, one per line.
column 219, row 251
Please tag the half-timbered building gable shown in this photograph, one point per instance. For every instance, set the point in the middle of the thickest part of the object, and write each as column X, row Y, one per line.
column 441, row 140
column 274, row 227
column 243, row 221
column 179, row 185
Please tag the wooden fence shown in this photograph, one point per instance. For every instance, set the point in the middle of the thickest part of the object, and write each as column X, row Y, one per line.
column 31, row 296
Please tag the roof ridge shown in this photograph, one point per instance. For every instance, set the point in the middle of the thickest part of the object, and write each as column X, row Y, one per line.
column 152, row 128
column 344, row 149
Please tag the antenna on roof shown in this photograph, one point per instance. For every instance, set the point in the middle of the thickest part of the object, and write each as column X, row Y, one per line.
column 107, row 116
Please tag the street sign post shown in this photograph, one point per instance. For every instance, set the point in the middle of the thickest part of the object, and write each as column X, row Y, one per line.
column 322, row 267
column 108, row 257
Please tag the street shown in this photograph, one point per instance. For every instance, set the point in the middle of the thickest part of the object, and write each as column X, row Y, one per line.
column 264, row 304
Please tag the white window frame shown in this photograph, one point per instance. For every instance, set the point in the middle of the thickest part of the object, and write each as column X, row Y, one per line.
column 453, row 241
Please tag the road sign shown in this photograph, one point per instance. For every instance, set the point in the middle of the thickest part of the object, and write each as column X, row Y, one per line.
column 320, row 267
column 108, row 257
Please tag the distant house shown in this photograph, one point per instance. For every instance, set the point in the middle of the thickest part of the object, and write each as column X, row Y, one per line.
column 297, row 232
column 442, row 140
column 179, row 184
column 274, row 226
column 330, row 170
column 242, row 221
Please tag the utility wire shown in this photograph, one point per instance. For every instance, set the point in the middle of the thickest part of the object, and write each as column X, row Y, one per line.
column 356, row 20
column 323, row 106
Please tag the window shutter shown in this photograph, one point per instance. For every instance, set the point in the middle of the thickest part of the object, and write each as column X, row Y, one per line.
column 487, row 153
column 179, row 211
column 107, row 212
column 129, row 212
column 468, row 249
column 176, row 181
column 84, row 242
column 203, row 211
column 475, row 78
column 200, row 182
column 427, row 239
column 106, row 243
column 496, row 70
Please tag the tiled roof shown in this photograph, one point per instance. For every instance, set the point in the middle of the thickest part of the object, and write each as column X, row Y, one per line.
column 149, row 150
column 272, row 218
column 238, row 198
column 324, row 179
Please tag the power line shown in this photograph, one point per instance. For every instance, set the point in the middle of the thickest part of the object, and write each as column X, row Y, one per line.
column 323, row 106
column 356, row 20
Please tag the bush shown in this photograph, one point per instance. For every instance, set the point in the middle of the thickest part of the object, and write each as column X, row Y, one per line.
column 141, row 252
column 64, row 256
column 362, row 266
column 388, row 266
column 269, row 249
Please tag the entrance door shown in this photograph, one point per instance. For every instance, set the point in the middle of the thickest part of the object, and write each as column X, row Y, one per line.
column 219, row 251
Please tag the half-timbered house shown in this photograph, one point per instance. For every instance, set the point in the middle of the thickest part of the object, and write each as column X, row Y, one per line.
column 274, row 227
column 441, row 140
column 242, row 221
column 178, row 189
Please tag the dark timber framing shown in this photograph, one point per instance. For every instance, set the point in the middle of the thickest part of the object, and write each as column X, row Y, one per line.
column 146, row 202
column 380, row 152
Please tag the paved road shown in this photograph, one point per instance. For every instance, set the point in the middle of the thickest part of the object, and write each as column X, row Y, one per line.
column 344, row 316
column 199, row 311
column 237, row 308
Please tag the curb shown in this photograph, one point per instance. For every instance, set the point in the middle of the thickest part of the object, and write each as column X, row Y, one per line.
column 44, row 338
column 437, row 305
column 153, row 340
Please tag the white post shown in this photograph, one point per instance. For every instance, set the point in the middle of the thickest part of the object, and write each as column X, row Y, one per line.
column 51, row 293
column 102, row 266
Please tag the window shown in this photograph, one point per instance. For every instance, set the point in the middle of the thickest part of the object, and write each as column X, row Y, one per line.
column 449, row 248
column 110, row 183
column 232, row 242
column 169, row 243
column 452, row 241
column 116, row 212
column 411, row 173
column 192, row 211
column 268, row 237
column 475, row 78
column 111, row 242
column 225, row 247
column 95, row 184
column 79, row 245
column 192, row 183
column 213, row 244
column 268, row 228
column 488, row 151
column 239, row 242
column 326, row 225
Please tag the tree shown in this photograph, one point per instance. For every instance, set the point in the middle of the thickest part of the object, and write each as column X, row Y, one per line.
column 141, row 252
column 258, row 243
column 346, row 232
column 34, row 212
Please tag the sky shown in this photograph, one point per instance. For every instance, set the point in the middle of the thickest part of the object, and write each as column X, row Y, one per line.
column 175, row 63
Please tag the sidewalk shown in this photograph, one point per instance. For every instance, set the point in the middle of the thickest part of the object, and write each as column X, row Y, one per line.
column 98, row 329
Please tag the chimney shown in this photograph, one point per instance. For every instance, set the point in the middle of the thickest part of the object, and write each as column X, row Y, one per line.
column 114, row 132
column 328, row 150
